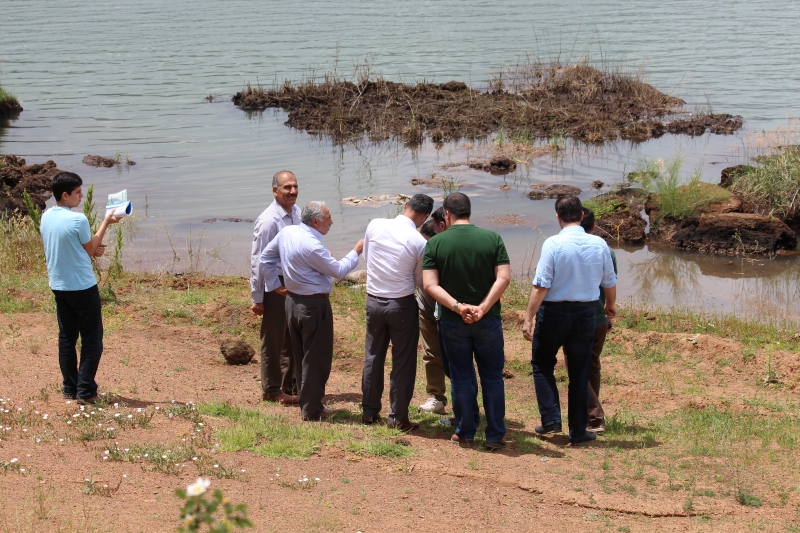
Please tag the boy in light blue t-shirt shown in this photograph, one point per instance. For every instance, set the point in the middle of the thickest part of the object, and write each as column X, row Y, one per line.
column 68, row 248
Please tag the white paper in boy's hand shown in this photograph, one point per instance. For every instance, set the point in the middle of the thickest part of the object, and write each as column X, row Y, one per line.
column 118, row 202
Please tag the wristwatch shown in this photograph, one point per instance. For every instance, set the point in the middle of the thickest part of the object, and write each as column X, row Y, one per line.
column 455, row 306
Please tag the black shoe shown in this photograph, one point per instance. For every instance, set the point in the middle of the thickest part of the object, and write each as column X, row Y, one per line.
column 590, row 437
column 547, row 430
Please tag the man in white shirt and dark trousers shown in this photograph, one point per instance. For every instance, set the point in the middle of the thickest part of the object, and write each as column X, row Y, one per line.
column 277, row 361
column 393, row 249
column 308, row 269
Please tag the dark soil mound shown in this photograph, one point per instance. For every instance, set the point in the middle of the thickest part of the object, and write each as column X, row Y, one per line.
column 542, row 191
column 623, row 226
column 728, row 174
column 734, row 234
column 99, row 161
column 16, row 177
column 579, row 101
column 698, row 125
column 237, row 352
column 10, row 108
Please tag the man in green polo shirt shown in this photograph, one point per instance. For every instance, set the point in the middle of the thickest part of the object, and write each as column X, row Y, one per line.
column 466, row 269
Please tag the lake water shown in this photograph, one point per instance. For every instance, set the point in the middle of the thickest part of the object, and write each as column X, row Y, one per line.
column 102, row 77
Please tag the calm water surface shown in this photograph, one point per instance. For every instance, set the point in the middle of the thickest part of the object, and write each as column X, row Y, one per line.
column 101, row 77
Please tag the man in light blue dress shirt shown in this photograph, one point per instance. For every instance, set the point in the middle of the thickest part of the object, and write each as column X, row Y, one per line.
column 308, row 270
column 571, row 270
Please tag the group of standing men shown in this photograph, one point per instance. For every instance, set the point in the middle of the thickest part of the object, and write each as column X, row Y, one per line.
column 443, row 281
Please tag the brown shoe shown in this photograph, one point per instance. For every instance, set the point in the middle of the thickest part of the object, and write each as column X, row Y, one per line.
column 368, row 421
column 461, row 441
column 405, row 426
column 283, row 398
column 493, row 445
column 88, row 401
column 327, row 414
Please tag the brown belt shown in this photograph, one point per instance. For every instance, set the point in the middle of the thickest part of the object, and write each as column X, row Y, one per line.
column 318, row 295
column 385, row 298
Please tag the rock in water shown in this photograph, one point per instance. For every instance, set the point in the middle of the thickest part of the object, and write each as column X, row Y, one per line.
column 99, row 161
column 542, row 191
column 623, row 226
column 734, row 234
column 237, row 352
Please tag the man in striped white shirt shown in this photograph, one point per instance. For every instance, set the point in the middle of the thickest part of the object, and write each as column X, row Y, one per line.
column 393, row 249
column 277, row 362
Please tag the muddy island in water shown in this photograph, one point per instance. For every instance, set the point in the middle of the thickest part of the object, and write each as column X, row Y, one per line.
column 534, row 100
column 754, row 210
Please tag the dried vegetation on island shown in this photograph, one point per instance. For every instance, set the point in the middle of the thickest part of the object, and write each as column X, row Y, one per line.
column 532, row 99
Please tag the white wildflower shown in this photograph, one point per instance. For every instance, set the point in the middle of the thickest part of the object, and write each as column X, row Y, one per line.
column 198, row 487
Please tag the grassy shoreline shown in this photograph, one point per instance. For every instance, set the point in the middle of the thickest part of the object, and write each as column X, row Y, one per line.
column 697, row 433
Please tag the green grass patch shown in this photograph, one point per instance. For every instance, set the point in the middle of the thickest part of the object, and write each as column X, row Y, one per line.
column 602, row 205
column 279, row 436
column 773, row 183
column 751, row 333
column 673, row 194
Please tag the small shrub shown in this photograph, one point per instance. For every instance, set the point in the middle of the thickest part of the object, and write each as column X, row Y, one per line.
column 671, row 197
column 198, row 512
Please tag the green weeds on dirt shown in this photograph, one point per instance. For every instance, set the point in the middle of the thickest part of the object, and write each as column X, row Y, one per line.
column 673, row 194
column 277, row 436
column 773, row 184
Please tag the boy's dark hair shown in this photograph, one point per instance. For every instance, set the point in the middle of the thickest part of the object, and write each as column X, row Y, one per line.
column 569, row 208
column 65, row 182
column 438, row 215
column 427, row 228
column 458, row 204
column 421, row 203
column 588, row 220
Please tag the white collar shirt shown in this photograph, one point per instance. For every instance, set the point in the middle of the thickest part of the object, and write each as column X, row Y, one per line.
column 393, row 250
column 268, row 224
column 305, row 263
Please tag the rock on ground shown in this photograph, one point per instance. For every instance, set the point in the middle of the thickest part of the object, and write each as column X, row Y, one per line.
column 16, row 177
column 237, row 352
column 734, row 234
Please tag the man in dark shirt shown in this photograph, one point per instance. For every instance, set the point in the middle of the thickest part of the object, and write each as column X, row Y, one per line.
column 466, row 269
column 429, row 329
column 597, row 417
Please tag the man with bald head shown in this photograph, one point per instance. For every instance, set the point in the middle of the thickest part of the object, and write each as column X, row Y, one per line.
column 277, row 361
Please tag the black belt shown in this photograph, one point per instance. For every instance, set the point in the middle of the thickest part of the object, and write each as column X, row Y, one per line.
column 318, row 295
column 384, row 298
column 569, row 304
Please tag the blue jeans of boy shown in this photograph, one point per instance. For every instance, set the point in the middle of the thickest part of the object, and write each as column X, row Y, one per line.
column 572, row 328
column 484, row 340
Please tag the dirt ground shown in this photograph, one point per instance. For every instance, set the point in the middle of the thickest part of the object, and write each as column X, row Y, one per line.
column 650, row 472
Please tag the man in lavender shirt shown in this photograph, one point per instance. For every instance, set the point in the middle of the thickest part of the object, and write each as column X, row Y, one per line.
column 277, row 362
column 308, row 271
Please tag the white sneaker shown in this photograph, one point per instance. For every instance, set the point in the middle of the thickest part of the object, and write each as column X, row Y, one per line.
column 432, row 405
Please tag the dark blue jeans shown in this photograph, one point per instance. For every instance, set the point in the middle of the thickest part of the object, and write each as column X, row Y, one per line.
column 484, row 339
column 573, row 329
column 79, row 313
